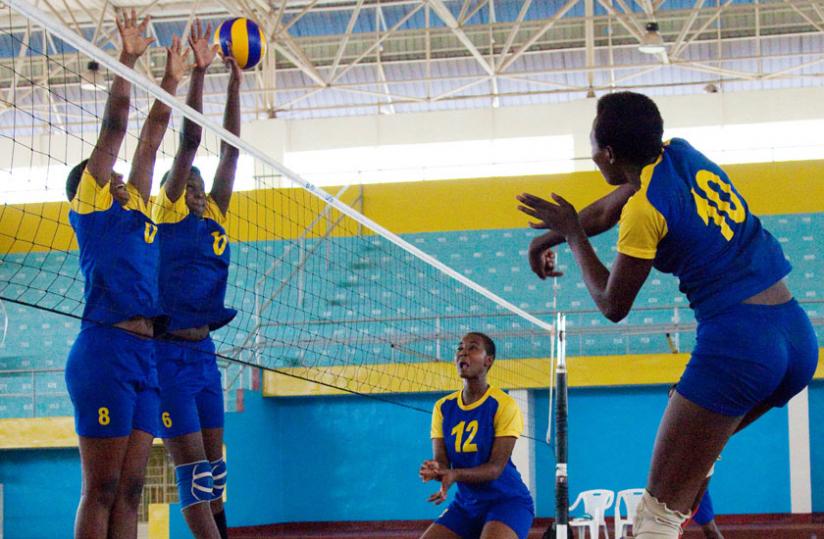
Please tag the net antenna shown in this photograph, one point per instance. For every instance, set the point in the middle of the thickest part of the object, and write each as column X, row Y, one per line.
column 553, row 358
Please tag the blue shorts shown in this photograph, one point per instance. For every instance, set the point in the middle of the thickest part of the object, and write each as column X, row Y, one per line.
column 469, row 521
column 750, row 355
column 191, row 394
column 112, row 382
column 704, row 514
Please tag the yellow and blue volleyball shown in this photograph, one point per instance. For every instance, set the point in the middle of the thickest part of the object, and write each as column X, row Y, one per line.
column 243, row 39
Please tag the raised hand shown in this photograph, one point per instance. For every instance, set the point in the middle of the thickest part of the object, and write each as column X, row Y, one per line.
column 560, row 216
column 205, row 52
column 176, row 60
column 542, row 259
column 131, row 35
column 235, row 73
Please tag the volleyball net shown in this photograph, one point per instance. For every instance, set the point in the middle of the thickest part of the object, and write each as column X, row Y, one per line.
column 327, row 299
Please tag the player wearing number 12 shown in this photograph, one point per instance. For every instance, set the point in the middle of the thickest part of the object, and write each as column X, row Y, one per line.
column 473, row 433
column 680, row 213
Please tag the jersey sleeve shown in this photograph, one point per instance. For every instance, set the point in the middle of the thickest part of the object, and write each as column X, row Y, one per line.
column 90, row 196
column 213, row 212
column 437, row 421
column 641, row 228
column 136, row 201
column 168, row 212
column 508, row 420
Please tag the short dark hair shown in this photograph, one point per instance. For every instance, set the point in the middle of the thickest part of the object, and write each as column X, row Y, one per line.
column 489, row 344
column 73, row 180
column 166, row 175
column 631, row 124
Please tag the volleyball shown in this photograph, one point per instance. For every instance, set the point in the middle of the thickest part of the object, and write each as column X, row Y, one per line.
column 242, row 39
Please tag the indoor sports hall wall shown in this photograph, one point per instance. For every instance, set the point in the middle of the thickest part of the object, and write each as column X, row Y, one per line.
column 352, row 458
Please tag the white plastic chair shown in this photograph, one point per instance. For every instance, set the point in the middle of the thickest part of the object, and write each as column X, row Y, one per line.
column 630, row 497
column 596, row 503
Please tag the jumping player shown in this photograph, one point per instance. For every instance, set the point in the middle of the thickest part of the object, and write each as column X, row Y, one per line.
column 194, row 269
column 755, row 346
column 474, row 431
column 110, row 372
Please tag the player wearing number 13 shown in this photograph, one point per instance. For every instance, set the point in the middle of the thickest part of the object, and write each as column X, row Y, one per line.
column 679, row 212
column 474, row 431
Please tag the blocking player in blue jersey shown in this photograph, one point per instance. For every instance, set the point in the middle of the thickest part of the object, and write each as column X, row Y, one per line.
column 110, row 371
column 194, row 270
column 474, row 431
column 681, row 214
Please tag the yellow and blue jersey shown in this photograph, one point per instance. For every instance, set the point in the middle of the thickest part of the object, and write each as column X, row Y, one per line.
column 194, row 264
column 469, row 432
column 118, row 254
column 691, row 221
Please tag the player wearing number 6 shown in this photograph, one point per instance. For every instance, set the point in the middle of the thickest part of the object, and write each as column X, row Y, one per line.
column 680, row 213
column 194, row 271
column 474, row 431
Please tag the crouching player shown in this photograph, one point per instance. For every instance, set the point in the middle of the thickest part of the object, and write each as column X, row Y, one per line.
column 474, row 431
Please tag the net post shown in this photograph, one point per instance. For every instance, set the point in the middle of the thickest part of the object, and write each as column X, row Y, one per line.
column 561, row 456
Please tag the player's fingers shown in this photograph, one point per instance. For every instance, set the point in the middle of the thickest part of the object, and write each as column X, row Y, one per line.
column 560, row 200
column 540, row 226
column 529, row 211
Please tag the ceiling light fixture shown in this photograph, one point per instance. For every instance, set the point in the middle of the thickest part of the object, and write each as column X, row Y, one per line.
column 652, row 42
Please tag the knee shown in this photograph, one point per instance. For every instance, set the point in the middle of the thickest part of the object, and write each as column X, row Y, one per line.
column 102, row 493
column 131, row 492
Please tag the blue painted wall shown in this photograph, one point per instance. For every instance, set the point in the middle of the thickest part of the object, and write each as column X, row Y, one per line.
column 353, row 458
column 41, row 489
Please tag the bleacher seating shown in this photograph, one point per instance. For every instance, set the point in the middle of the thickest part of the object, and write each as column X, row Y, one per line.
column 496, row 259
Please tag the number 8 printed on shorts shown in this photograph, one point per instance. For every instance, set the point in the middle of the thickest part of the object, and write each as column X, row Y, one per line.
column 103, row 416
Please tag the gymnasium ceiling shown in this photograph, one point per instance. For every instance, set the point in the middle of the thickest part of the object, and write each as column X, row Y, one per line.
column 359, row 57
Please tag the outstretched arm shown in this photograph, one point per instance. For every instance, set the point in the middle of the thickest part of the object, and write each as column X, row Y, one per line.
column 598, row 217
column 613, row 291
column 191, row 134
column 116, row 115
column 225, row 174
column 151, row 135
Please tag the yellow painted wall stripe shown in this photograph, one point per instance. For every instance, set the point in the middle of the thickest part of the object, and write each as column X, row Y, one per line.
column 585, row 371
column 159, row 521
column 37, row 432
column 40, row 433
column 472, row 204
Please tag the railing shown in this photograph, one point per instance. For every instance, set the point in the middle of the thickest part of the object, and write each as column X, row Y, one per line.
column 31, row 393
column 239, row 376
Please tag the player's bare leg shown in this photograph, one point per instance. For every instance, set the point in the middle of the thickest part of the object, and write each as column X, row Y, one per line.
column 213, row 444
column 123, row 518
column 436, row 531
column 101, row 460
column 689, row 440
column 497, row 530
column 186, row 449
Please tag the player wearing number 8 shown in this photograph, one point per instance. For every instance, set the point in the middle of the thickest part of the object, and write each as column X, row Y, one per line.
column 680, row 213
column 474, row 431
